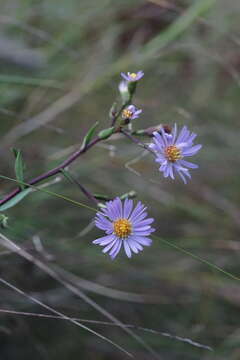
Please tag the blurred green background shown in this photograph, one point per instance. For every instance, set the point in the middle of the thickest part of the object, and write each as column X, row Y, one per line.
column 59, row 72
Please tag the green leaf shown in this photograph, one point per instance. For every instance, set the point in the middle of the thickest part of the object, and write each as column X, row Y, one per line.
column 3, row 221
column 89, row 135
column 104, row 134
column 19, row 166
column 14, row 201
column 102, row 197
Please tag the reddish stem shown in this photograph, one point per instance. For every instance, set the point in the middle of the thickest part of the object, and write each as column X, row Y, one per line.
column 53, row 171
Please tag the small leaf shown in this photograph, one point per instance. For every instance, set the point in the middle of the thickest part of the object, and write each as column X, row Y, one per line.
column 101, row 197
column 104, row 134
column 19, row 166
column 3, row 221
column 12, row 202
column 89, row 135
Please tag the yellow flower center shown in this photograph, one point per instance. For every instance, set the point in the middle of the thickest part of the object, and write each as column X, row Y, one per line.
column 127, row 114
column 122, row 228
column 173, row 153
column 133, row 75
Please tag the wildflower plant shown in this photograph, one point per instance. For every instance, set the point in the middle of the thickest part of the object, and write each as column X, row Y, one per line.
column 126, row 226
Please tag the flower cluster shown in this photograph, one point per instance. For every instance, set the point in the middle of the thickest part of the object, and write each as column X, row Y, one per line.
column 124, row 225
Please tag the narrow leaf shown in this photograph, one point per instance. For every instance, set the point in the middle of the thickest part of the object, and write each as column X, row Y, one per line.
column 89, row 135
column 19, row 166
column 14, row 201
column 3, row 221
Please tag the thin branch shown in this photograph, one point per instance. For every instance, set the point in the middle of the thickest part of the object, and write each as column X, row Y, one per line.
column 61, row 315
column 59, row 169
column 54, row 171
column 10, row 245
column 97, row 322
column 86, row 192
column 136, row 141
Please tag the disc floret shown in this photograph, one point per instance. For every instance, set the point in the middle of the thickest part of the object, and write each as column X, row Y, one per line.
column 122, row 228
column 173, row 153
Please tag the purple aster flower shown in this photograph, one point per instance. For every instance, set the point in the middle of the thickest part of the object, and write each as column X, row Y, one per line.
column 170, row 150
column 131, row 112
column 131, row 77
column 124, row 226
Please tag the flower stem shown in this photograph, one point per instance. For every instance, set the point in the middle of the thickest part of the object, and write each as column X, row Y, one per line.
column 73, row 180
column 136, row 141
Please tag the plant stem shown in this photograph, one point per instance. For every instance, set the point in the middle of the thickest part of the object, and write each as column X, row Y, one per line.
column 136, row 141
column 86, row 192
column 58, row 169
column 53, row 171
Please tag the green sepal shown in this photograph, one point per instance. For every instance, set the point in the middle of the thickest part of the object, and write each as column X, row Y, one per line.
column 132, row 87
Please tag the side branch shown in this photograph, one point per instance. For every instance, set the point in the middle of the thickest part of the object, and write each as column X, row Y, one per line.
column 136, row 141
column 53, row 171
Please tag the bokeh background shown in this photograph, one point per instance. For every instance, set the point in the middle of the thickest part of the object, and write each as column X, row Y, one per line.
column 59, row 73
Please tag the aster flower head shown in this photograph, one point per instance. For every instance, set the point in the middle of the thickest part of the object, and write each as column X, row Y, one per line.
column 171, row 149
column 131, row 112
column 132, row 77
column 124, row 226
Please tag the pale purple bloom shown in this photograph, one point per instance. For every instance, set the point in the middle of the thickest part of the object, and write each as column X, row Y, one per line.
column 131, row 77
column 170, row 150
column 124, row 226
column 131, row 112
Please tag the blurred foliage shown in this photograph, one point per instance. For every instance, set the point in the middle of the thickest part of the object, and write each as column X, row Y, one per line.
column 59, row 72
